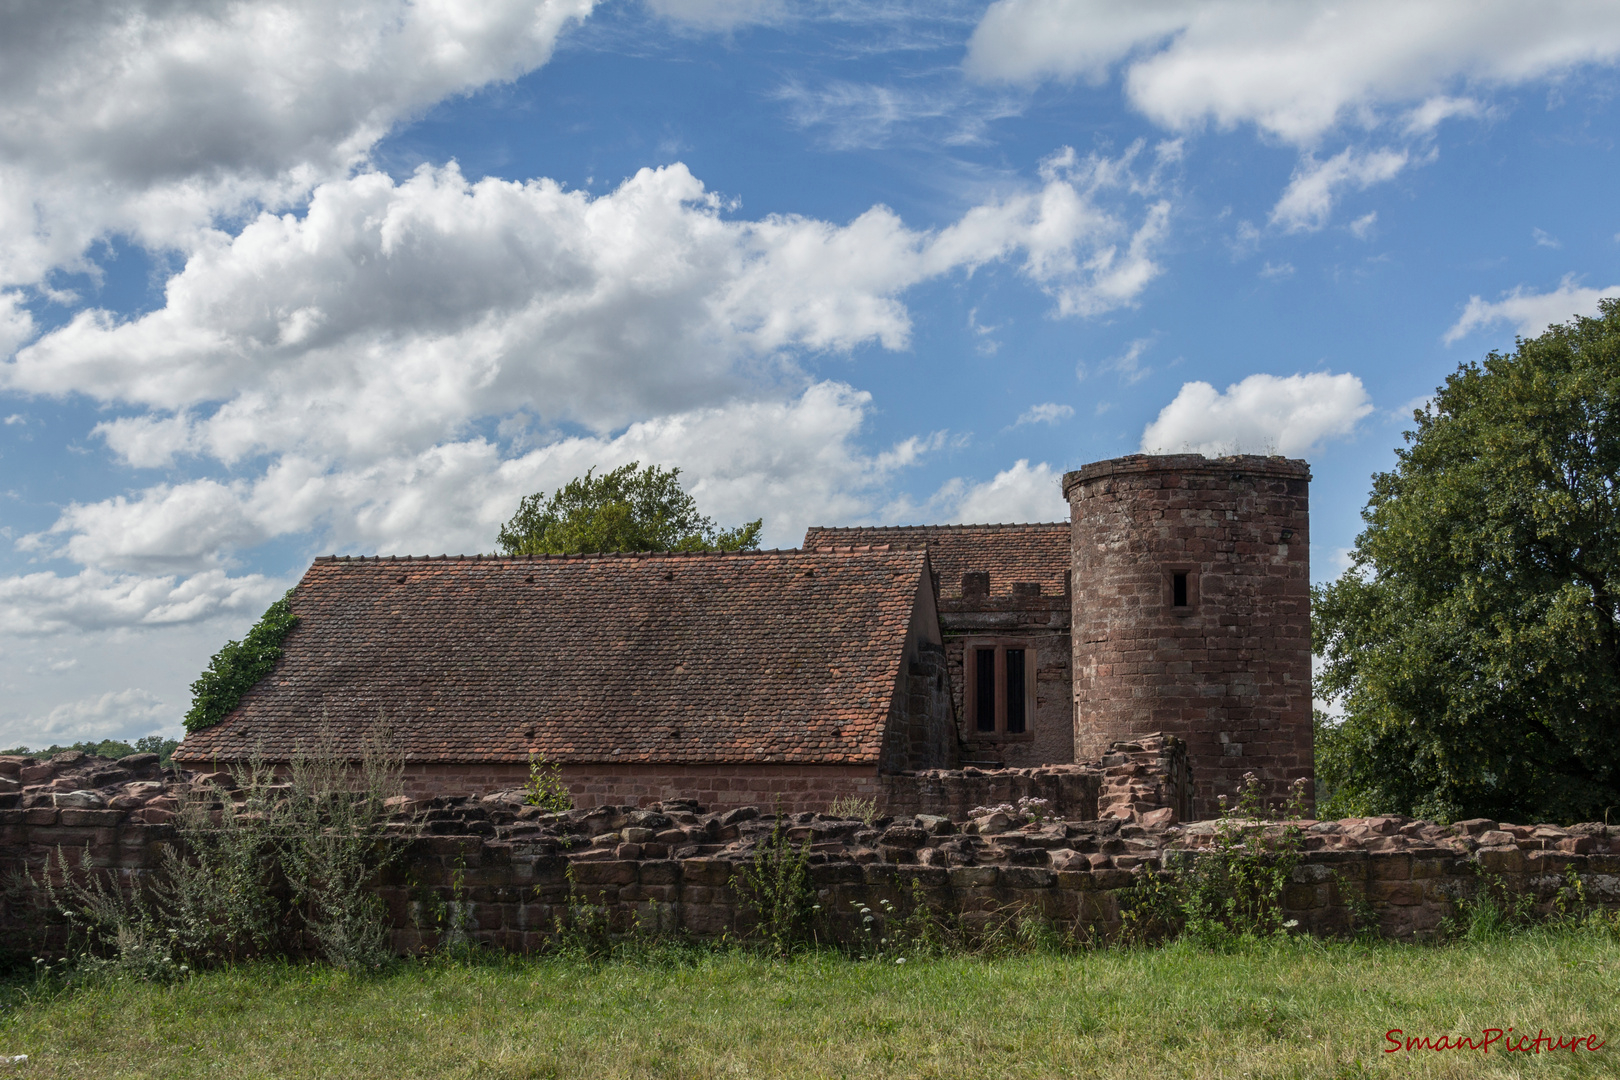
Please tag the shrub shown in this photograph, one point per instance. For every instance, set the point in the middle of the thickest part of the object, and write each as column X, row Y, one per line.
column 333, row 847
column 545, row 788
column 1233, row 889
column 210, row 900
column 215, row 888
column 249, row 872
column 239, row 666
column 776, row 886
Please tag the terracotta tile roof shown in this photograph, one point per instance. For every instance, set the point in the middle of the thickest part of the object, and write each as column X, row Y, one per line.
column 1010, row 553
column 758, row 656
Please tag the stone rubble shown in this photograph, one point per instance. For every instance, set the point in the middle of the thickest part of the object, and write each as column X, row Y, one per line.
column 141, row 792
column 677, row 863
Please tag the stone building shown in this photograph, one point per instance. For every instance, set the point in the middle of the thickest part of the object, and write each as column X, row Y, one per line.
column 750, row 677
column 1004, row 609
column 1174, row 600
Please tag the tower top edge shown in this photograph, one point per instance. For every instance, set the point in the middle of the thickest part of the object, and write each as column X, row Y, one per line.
column 1141, row 464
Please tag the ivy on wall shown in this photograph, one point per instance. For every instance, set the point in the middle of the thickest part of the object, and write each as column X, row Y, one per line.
column 238, row 667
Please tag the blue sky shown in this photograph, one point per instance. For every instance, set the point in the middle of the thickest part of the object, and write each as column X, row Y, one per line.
column 276, row 283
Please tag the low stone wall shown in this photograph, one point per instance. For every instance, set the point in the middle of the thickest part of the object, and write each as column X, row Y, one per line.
column 1135, row 778
column 515, row 874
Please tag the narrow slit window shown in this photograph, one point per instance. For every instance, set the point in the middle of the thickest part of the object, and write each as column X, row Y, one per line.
column 985, row 688
column 1178, row 586
column 1015, row 691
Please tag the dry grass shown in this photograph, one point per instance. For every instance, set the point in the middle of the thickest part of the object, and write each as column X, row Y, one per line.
column 1300, row 1010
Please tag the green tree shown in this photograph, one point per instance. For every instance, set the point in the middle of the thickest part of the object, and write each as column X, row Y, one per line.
column 631, row 508
column 111, row 749
column 1474, row 643
column 235, row 669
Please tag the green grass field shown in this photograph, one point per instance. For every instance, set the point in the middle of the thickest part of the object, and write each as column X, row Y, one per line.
column 1299, row 1009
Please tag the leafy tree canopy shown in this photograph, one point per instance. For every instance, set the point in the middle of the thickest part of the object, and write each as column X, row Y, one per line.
column 236, row 668
column 632, row 508
column 106, row 748
column 1474, row 643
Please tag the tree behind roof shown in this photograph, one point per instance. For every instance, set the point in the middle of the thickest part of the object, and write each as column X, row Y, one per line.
column 631, row 508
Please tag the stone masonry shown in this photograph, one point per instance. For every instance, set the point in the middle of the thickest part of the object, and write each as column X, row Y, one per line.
column 517, row 874
column 1191, row 599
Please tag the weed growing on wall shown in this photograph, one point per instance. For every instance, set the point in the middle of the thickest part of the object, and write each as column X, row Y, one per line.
column 891, row 932
column 583, row 930
column 545, row 788
column 211, row 899
column 776, row 887
column 1230, row 891
column 110, row 931
column 215, row 887
column 853, row 807
column 904, row 932
column 333, row 848
column 249, row 873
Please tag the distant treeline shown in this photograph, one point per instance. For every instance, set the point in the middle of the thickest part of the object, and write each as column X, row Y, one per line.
column 107, row 748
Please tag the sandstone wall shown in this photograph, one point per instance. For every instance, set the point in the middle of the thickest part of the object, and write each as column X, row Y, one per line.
column 921, row 732
column 1041, row 620
column 513, row 875
column 1229, row 670
column 793, row 787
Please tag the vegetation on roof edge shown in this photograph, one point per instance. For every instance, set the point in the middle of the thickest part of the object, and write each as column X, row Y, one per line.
column 239, row 666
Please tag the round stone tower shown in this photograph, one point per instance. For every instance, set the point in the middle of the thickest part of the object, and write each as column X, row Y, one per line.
column 1191, row 613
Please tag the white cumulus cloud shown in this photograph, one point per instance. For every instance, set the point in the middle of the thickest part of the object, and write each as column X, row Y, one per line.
column 116, row 714
column 1022, row 493
column 387, row 372
column 796, row 463
column 1264, row 414
column 151, row 117
column 93, row 599
column 393, row 312
column 1294, row 70
column 1300, row 72
column 1530, row 312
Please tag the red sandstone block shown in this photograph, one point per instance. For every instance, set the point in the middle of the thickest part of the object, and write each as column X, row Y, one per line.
column 1502, row 860
column 1400, row 893
column 706, row 871
column 706, row 920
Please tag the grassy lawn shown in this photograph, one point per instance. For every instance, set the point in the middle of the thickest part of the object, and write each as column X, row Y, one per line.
column 1292, row 1010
